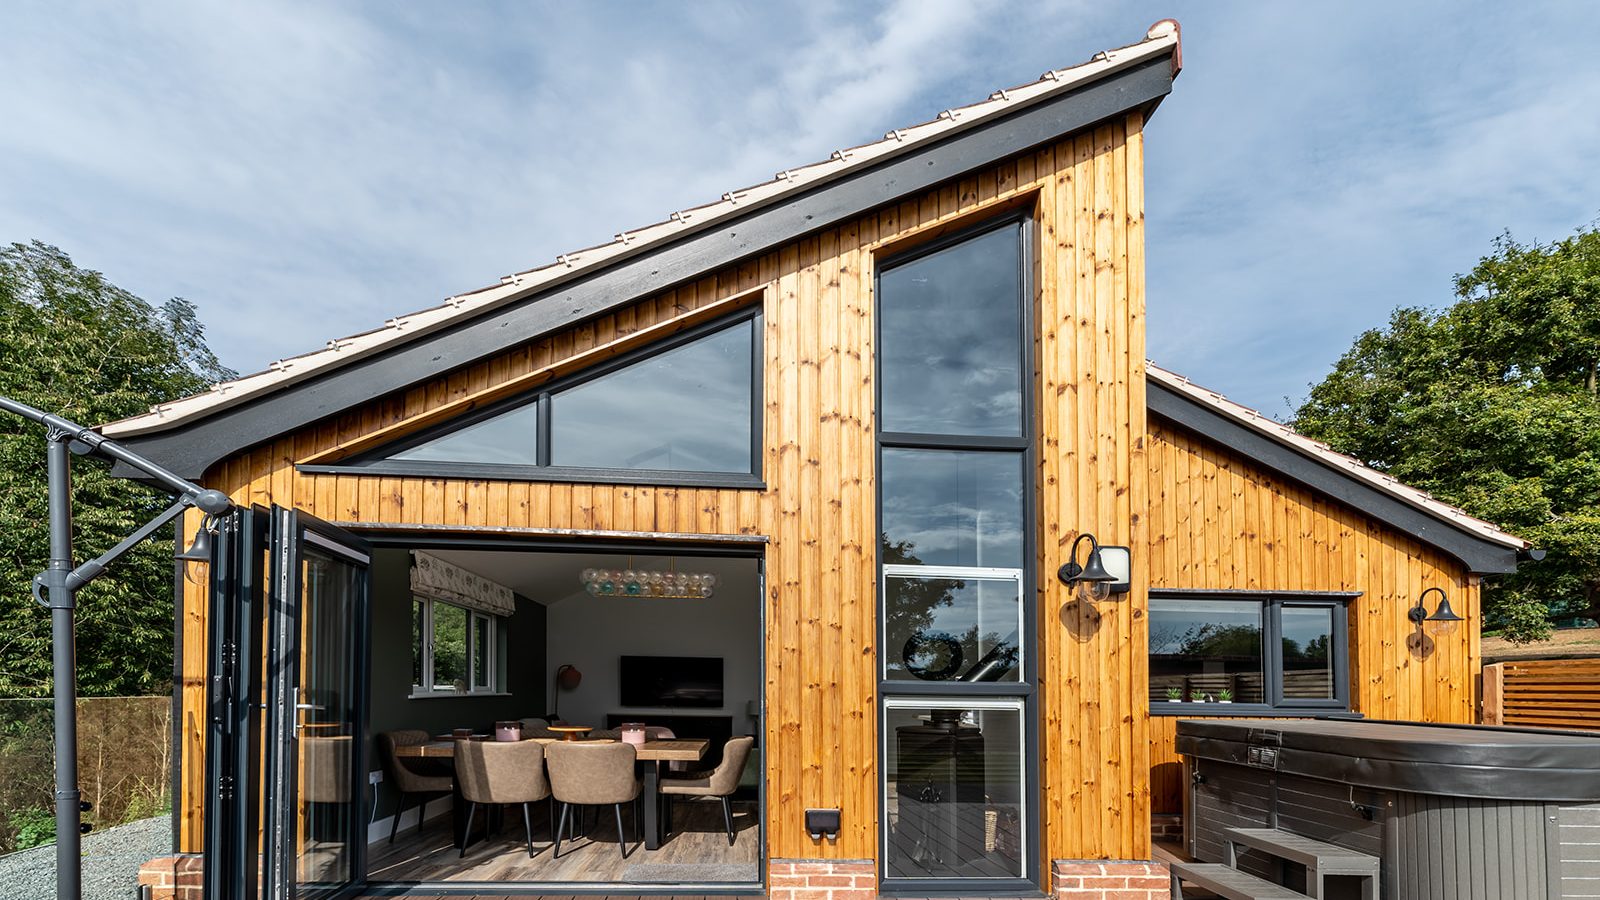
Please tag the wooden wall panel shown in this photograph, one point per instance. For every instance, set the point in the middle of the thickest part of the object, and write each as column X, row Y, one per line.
column 818, row 508
column 1219, row 521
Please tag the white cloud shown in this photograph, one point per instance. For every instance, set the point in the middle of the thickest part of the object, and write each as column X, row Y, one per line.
column 306, row 170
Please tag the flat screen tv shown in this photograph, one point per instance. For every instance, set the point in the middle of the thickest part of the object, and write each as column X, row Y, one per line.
column 671, row 681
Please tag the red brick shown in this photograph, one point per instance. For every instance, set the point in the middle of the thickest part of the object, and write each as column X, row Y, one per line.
column 831, row 881
column 1150, row 882
column 809, row 894
column 854, row 894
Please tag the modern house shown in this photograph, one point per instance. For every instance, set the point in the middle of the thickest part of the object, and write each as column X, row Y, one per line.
column 808, row 463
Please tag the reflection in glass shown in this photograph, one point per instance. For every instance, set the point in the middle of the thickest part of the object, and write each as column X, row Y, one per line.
column 1199, row 648
column 954, row 797
column 1307, row 652
column 480, row 652
column 942, row 628
column 418, row 610
column 687, row 410
column 325, row 723
column 951, row 339
column 510, row 438
column 449, row 647
column 952, row 508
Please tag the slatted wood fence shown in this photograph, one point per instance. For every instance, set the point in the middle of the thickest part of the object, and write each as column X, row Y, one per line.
column 1543, row 693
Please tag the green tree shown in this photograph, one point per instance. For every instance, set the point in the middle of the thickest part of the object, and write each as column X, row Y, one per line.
column 75, row 344
column 1492, row 404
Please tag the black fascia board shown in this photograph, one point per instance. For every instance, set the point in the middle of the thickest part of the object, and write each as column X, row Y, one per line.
column 191, row 449
column 1481, row 557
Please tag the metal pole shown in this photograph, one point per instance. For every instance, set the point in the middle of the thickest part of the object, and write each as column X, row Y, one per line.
column 64, row 657
column 57, row 587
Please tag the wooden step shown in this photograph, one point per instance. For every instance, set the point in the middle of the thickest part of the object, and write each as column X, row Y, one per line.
column 1225, row 881
column 1329, row 859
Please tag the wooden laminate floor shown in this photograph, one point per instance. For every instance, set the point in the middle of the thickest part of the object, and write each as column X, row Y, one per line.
column 696, row 851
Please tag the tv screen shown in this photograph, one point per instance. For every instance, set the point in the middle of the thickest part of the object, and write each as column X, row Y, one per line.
column 671, row 681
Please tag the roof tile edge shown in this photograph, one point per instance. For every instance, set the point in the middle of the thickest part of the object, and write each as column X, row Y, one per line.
column 1161, row 37
column 1283, row 434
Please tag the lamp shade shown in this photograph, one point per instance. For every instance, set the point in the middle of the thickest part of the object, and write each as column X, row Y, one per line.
column 568, row 677
column 1444, row 619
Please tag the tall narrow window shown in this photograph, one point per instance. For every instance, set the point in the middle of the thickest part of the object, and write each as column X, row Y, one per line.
column 955, row 451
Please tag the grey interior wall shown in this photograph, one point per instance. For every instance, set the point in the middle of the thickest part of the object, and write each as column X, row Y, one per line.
column 522, row 653
column 592, row 633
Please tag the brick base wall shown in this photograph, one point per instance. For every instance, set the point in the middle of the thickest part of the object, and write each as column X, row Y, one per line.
column 1109, row 879
column 173, row 877
column 822, row 879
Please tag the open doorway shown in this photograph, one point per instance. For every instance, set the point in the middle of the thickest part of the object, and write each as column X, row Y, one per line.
column 590, row 648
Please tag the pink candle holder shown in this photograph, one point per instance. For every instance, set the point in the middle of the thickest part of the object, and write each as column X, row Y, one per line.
column 633, row 732
column 508, row 731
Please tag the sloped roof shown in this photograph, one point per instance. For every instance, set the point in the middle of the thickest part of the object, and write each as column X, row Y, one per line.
column 1161, row 40
column 1325, row 455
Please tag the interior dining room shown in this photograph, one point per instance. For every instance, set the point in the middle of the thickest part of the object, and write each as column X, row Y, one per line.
column 554, row 717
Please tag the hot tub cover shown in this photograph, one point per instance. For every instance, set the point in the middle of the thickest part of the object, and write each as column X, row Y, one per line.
column 1479, row 761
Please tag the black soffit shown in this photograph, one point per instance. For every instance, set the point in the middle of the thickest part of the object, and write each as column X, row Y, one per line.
column 190, row 449
column 1480, row 556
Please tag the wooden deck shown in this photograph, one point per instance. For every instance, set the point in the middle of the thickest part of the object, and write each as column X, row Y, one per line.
column 696, row 852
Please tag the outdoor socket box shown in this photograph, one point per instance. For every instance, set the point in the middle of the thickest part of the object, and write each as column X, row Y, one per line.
column 823, row 823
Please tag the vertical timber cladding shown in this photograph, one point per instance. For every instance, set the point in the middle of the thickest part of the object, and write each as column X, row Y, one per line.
column 817, row 510
column 1218, row 521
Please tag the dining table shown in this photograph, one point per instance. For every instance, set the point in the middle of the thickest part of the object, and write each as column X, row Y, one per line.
column 649, row 757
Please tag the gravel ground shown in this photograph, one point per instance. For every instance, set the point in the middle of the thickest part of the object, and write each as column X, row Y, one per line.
column 111, row 861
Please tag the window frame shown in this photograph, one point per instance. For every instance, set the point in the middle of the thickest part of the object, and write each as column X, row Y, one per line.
column 912, row 688
column 377, row 461
column 1272, row 606
column 964, row 695
column 429, row 687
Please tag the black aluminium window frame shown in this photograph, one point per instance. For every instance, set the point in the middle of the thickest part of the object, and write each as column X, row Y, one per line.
column 1027, row 687
column 372, row 462
column 1272, row 605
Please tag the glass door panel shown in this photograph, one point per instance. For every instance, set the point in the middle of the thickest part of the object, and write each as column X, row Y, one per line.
column 954, row 789
column 316, row 689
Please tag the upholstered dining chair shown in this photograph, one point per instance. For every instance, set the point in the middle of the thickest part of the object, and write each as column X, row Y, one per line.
column 593, row 773
column 720, row 782
column 501, row 773
column 410, row 781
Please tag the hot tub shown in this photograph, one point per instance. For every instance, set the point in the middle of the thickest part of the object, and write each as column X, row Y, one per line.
column 1452, row 811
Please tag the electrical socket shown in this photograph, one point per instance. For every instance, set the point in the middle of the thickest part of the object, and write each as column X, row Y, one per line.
column 375, row 777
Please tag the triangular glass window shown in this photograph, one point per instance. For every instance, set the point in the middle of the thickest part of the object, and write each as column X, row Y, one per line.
column 687, row 406
column 510, row 438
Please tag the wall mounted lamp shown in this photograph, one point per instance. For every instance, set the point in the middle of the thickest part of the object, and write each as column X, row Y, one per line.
column 1443, row 620
column 198, row 555
column 1104, row 574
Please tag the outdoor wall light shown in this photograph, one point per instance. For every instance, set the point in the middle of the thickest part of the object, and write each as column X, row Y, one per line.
column 197, row 558
column 1444, row 619
column 1094, row 581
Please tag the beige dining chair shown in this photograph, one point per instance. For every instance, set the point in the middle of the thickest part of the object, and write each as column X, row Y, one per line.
column 593, row 773
column 720, row 782
column 500, row 773
column 408, row 780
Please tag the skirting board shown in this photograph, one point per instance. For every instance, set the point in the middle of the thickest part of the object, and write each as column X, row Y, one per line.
column 378, row 830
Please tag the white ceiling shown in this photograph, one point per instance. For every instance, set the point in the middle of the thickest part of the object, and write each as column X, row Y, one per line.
column 550, row 577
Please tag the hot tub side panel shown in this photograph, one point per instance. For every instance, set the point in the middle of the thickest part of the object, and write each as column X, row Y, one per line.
column 1455, row 847
column 1578, row 831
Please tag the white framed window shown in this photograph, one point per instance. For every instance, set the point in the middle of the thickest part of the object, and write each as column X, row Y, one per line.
column 453, row 649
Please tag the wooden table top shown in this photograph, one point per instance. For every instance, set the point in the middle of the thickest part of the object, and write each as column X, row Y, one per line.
column 676, row 750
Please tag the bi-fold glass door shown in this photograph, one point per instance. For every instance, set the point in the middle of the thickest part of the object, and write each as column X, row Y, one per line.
column 286, row 699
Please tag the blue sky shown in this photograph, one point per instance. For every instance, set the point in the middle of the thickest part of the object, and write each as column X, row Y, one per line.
column 305, row 171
